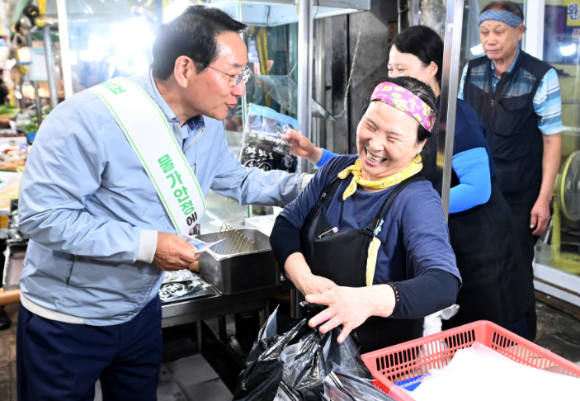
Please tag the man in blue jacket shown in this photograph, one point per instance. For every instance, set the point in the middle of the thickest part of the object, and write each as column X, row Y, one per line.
column 100, row 237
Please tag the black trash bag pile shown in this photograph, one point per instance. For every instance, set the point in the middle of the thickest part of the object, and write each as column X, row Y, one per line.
column 340, row 385
column 293, row 365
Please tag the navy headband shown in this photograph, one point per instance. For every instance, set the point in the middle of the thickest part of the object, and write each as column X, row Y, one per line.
column 507, row 17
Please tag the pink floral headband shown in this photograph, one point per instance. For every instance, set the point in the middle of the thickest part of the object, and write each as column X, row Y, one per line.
column 401, row 99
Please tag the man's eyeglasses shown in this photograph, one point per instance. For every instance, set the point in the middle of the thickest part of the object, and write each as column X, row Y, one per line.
column 242, row 76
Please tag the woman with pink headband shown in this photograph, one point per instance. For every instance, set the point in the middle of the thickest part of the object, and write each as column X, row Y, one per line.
column 367, row 237
column 497, row 284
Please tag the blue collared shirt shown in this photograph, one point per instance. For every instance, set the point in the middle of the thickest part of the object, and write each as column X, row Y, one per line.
column 192, row 127
column 92, row 213
column 494, row 78
column 547, row 100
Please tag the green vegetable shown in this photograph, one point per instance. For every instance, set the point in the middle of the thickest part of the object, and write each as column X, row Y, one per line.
column 9, row 109
column 31, row 127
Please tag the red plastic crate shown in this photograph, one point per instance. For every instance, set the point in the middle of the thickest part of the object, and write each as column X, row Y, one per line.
column 418, row 357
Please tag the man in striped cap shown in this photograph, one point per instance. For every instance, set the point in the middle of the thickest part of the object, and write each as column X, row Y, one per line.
column 518, row 99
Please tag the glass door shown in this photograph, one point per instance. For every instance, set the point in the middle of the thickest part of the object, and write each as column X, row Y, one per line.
column 560, row 248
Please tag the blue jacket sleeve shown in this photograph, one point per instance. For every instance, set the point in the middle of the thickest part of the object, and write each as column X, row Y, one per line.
column 326, row 156
column 64, row 169
column 472, row 169
column 252, row 185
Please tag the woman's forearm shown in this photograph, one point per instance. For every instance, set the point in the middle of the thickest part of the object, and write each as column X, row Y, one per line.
column 285, row 241
column 384, row 299
column 297, row 269
column 418, row 297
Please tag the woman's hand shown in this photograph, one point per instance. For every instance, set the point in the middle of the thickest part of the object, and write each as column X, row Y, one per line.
column 300, row 274
column 351, row 307
column 302, row 146
column 316, row 285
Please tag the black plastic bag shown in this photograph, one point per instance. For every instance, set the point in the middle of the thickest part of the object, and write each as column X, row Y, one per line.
column 285, row 393
column 263, row 369
column 340, row 385
column 304, row 367
column 297, row 361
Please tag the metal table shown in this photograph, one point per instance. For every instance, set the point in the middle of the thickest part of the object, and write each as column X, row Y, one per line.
column 220, row 305
column 194, row 310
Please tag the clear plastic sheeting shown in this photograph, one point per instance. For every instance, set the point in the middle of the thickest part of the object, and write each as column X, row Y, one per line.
column 284, row 91
column 482, row 374
column 262, row 145
column 545, row 254
column 433, row 16
column 293, row 365
column 180, row 285
column 471, row 42
column 433, row 323
column 282, row 12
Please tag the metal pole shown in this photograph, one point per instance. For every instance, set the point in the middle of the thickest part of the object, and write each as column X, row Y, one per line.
column 415, row 12
column 535, row 20
column 64, row 48
column 320, row 79
column 244, row 99
column 449, row 87
column 35, row 85
column 49, row 56
column 403, row 12
column 305, row 25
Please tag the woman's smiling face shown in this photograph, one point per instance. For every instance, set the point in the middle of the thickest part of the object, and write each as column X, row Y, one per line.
column 409, row 65
column 386, row 141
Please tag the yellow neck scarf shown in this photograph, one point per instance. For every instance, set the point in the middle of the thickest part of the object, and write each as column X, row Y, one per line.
column 356, row 170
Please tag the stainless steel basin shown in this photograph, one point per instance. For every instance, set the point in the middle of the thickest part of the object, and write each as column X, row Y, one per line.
column 239, row 272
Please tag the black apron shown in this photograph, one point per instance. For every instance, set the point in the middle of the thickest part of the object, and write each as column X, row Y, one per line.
column 497, row 284
column 342, row 258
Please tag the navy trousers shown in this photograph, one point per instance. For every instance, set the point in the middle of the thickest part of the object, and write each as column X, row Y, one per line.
column 62, row 361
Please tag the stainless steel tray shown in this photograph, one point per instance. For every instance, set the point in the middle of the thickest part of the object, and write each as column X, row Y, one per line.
column 240, row 272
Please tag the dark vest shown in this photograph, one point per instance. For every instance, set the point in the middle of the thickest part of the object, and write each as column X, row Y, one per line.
column 511, row 123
